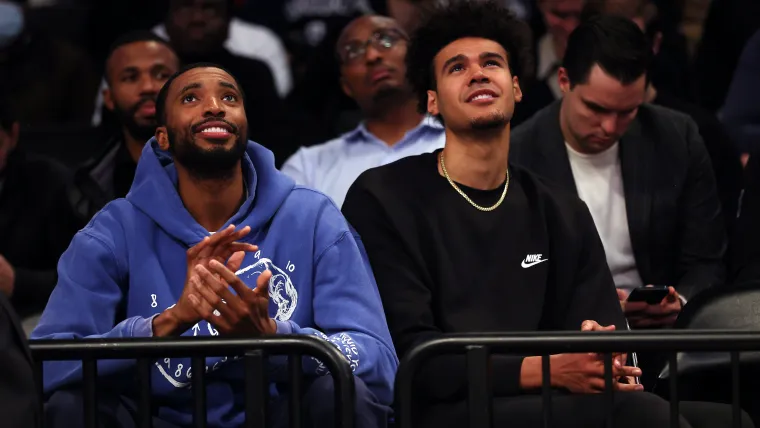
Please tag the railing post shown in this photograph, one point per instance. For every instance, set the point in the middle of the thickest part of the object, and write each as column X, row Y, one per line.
column 675, row 416
column 546, row 390
column 609, row 390
column 39, row 381
column 199, row 391
column 479, row 396
column 736, row 410
column 144, row 412
column 295, row 378
column 90, row 373
column 256, row 390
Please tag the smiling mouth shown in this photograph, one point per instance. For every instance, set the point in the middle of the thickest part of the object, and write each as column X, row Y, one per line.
column 215, row 130
column 481, row 95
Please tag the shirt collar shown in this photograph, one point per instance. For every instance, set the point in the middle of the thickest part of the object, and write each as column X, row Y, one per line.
column 361, row 134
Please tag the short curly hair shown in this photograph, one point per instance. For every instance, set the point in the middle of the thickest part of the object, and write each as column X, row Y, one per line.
column 481, row 19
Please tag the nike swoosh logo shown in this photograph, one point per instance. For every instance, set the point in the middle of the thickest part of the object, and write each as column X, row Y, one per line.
column 527, row 265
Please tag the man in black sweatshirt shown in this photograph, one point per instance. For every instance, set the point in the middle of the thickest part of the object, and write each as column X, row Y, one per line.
column 460, row 242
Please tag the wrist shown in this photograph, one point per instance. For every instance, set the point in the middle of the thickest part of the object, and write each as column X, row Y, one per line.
column 531, row 372
column 168, row 324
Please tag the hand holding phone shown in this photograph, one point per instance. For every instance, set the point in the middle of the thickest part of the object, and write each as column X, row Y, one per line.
column 652, row 306
column 650, row 295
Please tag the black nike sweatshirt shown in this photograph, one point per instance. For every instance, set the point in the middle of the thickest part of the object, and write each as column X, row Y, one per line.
column 534, row 263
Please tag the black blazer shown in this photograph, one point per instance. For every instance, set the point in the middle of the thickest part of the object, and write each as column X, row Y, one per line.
column 674, row 215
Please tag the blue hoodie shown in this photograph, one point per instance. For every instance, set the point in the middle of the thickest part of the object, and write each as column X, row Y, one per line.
column 129, row 262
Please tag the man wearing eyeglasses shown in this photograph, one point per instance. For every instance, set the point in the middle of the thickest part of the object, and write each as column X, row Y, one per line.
column 371, row 51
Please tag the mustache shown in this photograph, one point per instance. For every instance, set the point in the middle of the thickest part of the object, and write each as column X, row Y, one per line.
column 232, row 126
column 143, row 100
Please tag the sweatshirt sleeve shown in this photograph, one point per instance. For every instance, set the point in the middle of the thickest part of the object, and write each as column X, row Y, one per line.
column 348, row 311
column 85, row 304
column 408, row 299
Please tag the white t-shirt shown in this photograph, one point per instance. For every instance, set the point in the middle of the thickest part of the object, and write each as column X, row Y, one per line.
column 599, row 181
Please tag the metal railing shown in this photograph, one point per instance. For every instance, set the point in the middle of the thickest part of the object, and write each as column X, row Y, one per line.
column 479, row 347
column 255, row 352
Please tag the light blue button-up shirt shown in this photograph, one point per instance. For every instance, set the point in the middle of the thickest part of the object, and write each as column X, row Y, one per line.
column 332, row 167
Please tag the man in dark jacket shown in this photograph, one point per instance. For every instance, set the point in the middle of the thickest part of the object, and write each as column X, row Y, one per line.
column 721, row 147
column 137, row 66
column 36, row 222
column 643, row 170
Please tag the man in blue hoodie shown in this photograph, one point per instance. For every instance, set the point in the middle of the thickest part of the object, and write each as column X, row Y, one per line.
column 144, row 267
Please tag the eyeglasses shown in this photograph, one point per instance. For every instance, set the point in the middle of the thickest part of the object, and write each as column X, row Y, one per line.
column 381, row 40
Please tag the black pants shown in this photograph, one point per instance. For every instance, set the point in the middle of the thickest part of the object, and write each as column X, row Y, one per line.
column 631, row 410
column 64, row 409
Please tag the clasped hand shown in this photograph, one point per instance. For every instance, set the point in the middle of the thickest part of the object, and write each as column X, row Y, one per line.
column 211, row 266
column 584, row 373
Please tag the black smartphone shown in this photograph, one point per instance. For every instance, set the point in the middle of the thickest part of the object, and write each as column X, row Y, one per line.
column 650, row 295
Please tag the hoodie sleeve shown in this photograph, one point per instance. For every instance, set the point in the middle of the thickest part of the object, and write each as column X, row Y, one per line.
column 85, row 304
column 348, row 313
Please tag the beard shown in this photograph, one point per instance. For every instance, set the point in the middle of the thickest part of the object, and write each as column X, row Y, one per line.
column 387, row 93
column 492, row 121
column 217, row 163
column 140, row 131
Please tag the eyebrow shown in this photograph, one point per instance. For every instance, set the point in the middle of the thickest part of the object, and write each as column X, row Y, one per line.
column 461, row 57
column 600, row 107
column 486, row 55
column 452, row 60
column 129, row 69
column 228, row 85
column 189, row 87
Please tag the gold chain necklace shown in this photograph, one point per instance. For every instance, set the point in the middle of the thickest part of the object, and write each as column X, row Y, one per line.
column 467, row 198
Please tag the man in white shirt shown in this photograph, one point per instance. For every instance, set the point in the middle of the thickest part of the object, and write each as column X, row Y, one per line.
column 371, row 51
column 642, row 170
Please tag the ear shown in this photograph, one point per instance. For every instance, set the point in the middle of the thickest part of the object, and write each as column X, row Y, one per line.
column 564, row 81
column 163, row 138
column 657, row 43
column 516, row 89
column 432, row 104
column 108, row 99
column 13, row 136
column 346, row 89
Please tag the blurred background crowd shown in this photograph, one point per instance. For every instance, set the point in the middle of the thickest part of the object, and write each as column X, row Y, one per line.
column 53, row 54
